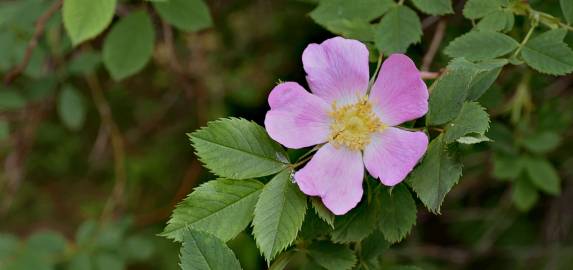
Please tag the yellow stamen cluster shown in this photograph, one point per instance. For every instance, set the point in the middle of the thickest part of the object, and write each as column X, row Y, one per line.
column 352, row 125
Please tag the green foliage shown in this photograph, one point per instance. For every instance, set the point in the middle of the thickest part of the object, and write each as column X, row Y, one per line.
column 567, row 9
column 85, row 19
column 350, row 18
column 202, row 251
column 434, row 7
column 85, row 63
column 486, row 72
column 322, row 211
column 279, row 215
column 186, row 15
column 507, row 167
column 129, row 45
column 543, row 175
column 11, row 100
column 4, row 130
column 332, row 256
column 448, row 95
column 238, row 149
column 524, row 195
column 371, row 249
column 547, row 53
column 499, row 20
column 221, row 207
column 356, row 224
column 435, row 176
column 397, row 30
column 475, row 9
column 473, row 119
column 71, row 108
column 481, row 45
column 104, row 247
column 329, row 11
column 397, row 214
column 541, row 142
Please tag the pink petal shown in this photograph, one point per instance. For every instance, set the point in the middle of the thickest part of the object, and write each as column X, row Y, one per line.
column 334, row 174
column 399, row 94
column 297, row 118
column 393, row 153
column 337, row 69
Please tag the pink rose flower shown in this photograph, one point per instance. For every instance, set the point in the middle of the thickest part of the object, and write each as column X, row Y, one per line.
column 358, row 129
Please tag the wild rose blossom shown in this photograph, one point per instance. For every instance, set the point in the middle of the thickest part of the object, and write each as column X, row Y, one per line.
column 358, row 129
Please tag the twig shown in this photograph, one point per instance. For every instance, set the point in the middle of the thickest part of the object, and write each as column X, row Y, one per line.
column 426, row 75
column 39, row 30
column 434, row 45
column 117, row 145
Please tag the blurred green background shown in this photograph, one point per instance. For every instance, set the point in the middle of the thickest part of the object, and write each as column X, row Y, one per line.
column 93, row 191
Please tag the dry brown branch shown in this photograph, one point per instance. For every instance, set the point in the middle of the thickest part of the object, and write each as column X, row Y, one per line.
column 434, row 45
column 38, row 32
column 117, row 144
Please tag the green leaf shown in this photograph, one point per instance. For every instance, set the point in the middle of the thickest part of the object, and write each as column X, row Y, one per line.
column 475, row 9
column 472, row 119
column 332, row 256
column 329, row 11
column 322, row 211
column 481, row 45
column 371, row 248
column 482, row 81
column 355, row 29
column 11, row 100
column 84, row 63
column 435, row 176
column 499, row 20
column 507, row 167
column 71, row 108
column 398, row 213
column 202, row 251
column 357, row 224
column 448, row 95
column 473, row 139
column 313, row 226
column 279, row 214
column 109, row 261
column 221, row 207
column 282, row 261
column 547, row 53
column 543, row 175
column 484, row 74
column 350, row 18
column 524, row 195
column 541, row 142
column 187, row 15
column 434, row 7
column 129, row 45
column 85, row 19
column 238, row 149
column 397, row 30
column 567, row 9
column 4, row 130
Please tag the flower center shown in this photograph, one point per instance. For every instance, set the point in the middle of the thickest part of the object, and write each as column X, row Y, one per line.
column 352, row 125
